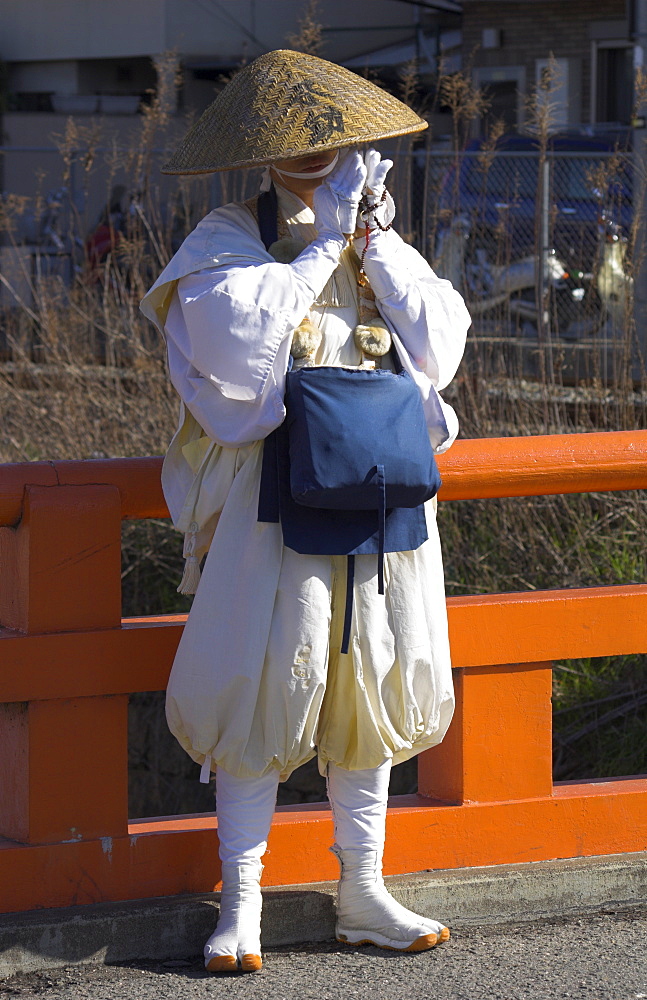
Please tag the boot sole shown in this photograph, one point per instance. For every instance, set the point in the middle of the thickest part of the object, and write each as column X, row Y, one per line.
column 422, row 943
column 229, row 963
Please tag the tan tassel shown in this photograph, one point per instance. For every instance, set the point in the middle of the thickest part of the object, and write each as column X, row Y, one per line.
column 191, row 576
column 305, row 339
column 286, row 250
column 373, row 339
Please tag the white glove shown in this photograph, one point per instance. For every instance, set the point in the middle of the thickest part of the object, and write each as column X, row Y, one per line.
column 377, row 208
column 376, row 171
column 336, row 200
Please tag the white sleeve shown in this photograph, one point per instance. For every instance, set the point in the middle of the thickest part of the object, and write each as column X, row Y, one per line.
column 427, row 313
column 228, row 334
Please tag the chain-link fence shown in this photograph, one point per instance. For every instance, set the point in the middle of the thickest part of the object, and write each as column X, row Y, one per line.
column 539, row 245
column 489, row 221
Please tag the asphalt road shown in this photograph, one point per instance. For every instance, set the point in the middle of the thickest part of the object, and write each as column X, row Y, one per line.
column 600, row 957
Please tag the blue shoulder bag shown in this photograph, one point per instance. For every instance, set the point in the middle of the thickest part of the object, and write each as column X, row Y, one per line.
column 349, row 469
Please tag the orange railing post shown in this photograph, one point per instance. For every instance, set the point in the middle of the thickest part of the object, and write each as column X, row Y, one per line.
column 498, row 747
column 64, row 767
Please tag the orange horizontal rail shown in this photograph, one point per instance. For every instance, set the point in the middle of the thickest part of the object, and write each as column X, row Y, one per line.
column 542, row 465
column 68, row 664
column 137, row 479
column 478, row 468
column 179, row 855
column 493, row 629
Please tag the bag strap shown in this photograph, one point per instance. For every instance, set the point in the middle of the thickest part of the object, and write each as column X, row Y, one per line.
column 268, row 493
column 268, row 211
column 381, row 514
column 350, row 565
column 348, row 613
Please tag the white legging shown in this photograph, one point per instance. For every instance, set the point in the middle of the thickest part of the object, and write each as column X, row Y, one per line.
column 245, row 807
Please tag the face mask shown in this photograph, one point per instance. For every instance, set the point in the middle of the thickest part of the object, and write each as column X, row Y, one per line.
column 310, row 173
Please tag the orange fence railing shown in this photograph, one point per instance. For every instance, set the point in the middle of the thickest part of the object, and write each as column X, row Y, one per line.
column 68, row 663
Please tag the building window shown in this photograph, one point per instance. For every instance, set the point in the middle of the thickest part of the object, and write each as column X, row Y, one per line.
column 613, row 77
column 503, row 87
column 30, row 101
column 504, row 100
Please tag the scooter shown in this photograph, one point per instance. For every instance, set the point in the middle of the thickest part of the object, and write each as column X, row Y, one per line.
column 614, row 285
column 486, row 285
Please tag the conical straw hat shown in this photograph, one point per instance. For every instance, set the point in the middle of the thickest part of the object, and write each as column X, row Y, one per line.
column 287, row 104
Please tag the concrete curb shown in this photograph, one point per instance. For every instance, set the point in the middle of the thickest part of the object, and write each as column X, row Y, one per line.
column 175, row 927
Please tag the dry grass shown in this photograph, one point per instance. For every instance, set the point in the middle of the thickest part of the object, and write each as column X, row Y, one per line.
column 466, row 102
column 309, row 37
column 82, row 380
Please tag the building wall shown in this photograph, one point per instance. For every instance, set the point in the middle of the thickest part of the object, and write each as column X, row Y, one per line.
column 60, row 54
column 80, row 29
column 228, row 30
column 530, row 31
column 87, row 47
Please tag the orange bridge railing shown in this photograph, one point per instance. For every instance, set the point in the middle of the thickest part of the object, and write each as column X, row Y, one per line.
column 68, row 663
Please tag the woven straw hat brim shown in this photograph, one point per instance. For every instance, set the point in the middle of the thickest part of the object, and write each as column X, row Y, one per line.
column 287, row 104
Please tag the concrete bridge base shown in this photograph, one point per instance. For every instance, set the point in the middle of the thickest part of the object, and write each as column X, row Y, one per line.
column 175, row 927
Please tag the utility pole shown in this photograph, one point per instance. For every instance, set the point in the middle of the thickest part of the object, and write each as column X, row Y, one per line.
column 639, row 38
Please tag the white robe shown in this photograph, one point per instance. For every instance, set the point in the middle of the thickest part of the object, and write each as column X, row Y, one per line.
column 259, row 681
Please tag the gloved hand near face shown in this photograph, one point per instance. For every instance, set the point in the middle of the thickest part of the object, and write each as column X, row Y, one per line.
column 377, row 209
column 336, row 200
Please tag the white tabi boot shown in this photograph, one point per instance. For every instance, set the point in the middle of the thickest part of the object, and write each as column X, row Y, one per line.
column 244, row 807
column 236, row 942
column 366, row 912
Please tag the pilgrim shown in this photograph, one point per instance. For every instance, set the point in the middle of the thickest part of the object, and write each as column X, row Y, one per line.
column 263, row 681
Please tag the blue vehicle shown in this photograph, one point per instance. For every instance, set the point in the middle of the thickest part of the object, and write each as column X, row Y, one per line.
column 500, row 192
